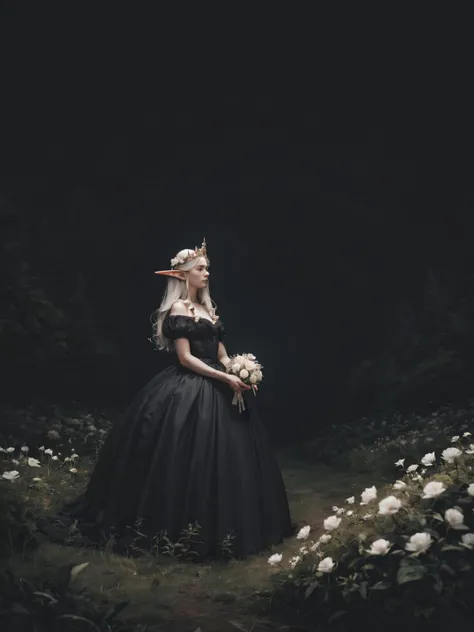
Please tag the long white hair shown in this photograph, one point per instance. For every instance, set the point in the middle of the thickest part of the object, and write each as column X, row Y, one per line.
column 177, row 289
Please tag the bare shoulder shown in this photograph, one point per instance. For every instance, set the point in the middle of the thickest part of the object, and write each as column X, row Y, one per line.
column 179, row 309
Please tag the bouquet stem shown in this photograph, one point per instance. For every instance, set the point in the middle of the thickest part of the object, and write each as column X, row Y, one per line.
column 239, row 400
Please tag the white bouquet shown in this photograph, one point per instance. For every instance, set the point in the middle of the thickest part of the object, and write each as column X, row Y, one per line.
column 246, row 367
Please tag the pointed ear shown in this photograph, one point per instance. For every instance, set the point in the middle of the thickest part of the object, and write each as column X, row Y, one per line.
column 177, row 274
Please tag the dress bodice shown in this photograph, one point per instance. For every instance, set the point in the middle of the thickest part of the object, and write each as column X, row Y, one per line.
column 203, row 335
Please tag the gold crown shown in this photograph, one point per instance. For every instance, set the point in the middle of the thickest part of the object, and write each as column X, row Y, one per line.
column 197, row 252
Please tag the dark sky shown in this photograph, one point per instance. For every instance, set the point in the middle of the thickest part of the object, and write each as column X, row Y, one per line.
column 318, row 218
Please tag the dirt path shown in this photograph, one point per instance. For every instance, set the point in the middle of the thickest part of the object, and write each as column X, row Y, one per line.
column 185, row 596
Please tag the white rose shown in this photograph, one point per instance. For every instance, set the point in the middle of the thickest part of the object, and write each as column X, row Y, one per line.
column 275, row 559
column 10, row 450
column 303, row 533
column 466, row 434
column 429, row 459
column 389, row 505
column 433, row 489
column 412, row 468
column 33, row 462
column 11, row 476
column 455, row 438
column 451, row 454
column 468, row 539
column 332, row 523
column 236, row 368
column 294, row 561
column 249, row 365
column 419, row 543
column 48, row 451
column 244, row 374
column 399, row 485
column 379, row 547
column 259, row 375
column 470, row 489
column 25, row 449
column 369, row 493
column 240, row 359
column 455, row 519
column 253, row 379
column 326, row 565
column 325, row 538
column 350, row 500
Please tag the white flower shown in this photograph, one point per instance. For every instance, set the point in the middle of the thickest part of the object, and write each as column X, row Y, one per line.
column 451, row 454
column 275, row 559
column 471, row 449
column 466, row 434
column 350, row 500
column 400, row 462
column 454, row 518
column 369, row 493
column 3, row 450
column 419, row 543
column 399, row 485
column 468, row 539
column 49, row 451
column 10, row 450
column 433, row 489
column 250, row 356
column 294, row 561
column 73, row 470
column 367, row 516
column 15, row 462
column 33, row 462
column 74, row 456
column 332, row 523
column 470, row 489
column 389, row 505
column 429, row 459
column 55, row 458
column 236, row 367
column 25, row 449
column 253, row 378
column 259, row 375
column 303, row 533
column 243, row 374
column 249, row 365
column 325, row 538
column 11, row 476
column 412, row 468
column 379, row 547
column 349, row 513
column 455, row 438
column 326, row 565
column 37, row 479
column 41, row 449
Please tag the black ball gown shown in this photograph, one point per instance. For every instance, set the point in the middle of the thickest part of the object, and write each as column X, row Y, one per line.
column 183, row 454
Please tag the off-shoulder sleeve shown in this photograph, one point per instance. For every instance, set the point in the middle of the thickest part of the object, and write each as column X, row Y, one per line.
column 177, row 326
column 221, row 334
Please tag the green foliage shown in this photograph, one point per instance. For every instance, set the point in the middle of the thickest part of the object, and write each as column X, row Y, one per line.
column 381, row 578
column 43, row 606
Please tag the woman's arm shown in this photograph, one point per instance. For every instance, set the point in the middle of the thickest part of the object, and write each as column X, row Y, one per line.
column 222, row 355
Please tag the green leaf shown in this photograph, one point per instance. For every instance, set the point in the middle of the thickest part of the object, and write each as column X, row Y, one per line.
column 410, row 573
column 451, row 547
column 447, row 568
column 363, row 590
column 336, row 615
column 438, row 517
column 75, row 570
column 309, row 590
column 381, row 586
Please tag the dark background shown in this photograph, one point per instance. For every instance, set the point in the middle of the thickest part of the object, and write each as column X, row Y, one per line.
column 339, row 230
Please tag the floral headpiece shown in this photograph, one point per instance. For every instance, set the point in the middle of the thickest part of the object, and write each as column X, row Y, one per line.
column 177, row 261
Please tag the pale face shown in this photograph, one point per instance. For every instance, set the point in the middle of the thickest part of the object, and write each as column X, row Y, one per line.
column 199, row 274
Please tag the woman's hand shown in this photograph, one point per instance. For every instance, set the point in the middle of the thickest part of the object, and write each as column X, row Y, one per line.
column 236, row 384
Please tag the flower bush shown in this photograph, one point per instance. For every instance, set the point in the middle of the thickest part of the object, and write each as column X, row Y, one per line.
column 371, row 443
column 401, row 555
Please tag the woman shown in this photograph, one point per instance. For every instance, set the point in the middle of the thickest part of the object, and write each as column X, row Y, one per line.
column 182, row 453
